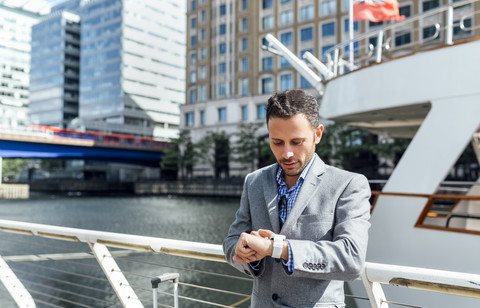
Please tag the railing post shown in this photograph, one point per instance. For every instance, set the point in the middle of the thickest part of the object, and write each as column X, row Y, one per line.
column 374, row 290
column 449, row 34
column 379, row 46
column 336, row 56
column 14, row 286
column 115, row 276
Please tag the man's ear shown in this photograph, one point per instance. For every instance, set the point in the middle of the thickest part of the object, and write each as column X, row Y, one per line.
column 318, row 133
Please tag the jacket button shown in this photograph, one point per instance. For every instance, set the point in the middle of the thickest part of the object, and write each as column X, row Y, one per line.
column 305, row 265
column 322, row 266
column 274, row 296
column 310, row 266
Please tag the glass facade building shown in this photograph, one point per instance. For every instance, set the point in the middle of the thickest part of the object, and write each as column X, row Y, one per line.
column 131, row 66
column 55, row 70
column 15, row 36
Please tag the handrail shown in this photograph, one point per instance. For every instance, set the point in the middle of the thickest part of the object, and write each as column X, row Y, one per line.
column 448, row 8
column 463, row 284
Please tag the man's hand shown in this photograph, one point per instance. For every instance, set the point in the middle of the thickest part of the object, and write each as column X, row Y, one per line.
column 253, row 247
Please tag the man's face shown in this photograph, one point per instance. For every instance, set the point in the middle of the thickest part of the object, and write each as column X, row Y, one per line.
column 293, row 143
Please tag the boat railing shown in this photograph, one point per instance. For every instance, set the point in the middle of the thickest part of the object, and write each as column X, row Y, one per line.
column 439, row 209
column 441, row 26
column 27, row 286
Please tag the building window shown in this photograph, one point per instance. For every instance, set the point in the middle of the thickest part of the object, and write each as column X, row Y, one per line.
column 328, row 29
column 267, row 85
column 405, row 10
column 244, row 113
column 244, row 86
column 306, row 34
column 284, row 63
column 356, row 50
column 222, row 114
column 267, row 4
column 286, row 18
column 222, row 48
column 223, row 9
column 328, row 7
column 194, row 23
column 261, row 111
column 324, row 49
column 286, row 38
column 194, row 5
column 222, row 88
column 306, row 12
column 203, row 16
column 193, row 77
column 346, row 25
column 304, row 84
column 402, row 39
column 193, row 96
column 244, row 44
column 244, row 5
column 189, row 119
column 202, row 72
column 202, row 117
column 429, row 4
column 203, row 35
column 203, row 93
column 244, row 24
column 267, row 63
column 193, row 59
column 286, row 82
column 193, row 41
column 244, row 65
column 429, row 33
column 222, row 29
column 203, row 53
column 285, row 1
column 222, row 68
column 267, row 22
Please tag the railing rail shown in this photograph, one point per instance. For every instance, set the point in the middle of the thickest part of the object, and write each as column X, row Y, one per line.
column 463, row 284
column 336, row 62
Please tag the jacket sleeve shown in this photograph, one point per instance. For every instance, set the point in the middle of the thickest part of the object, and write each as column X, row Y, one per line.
column 242, row 223
column 342, row 258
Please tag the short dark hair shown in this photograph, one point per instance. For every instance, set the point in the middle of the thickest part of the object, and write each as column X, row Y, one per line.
column 288, row 103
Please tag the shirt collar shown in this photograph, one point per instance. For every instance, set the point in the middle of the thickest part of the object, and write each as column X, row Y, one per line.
column 280, row 179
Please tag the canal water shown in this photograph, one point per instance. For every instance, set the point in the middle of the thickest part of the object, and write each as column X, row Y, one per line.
column 193, row 219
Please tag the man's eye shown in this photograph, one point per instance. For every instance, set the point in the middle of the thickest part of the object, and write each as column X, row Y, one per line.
column 296, row 142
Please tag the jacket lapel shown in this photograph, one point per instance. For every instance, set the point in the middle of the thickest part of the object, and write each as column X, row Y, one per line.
column 307, row 191
column 270, row 193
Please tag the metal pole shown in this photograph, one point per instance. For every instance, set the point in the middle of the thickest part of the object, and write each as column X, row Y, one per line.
column 350, row 32
column 449, row 34
column 379, row 46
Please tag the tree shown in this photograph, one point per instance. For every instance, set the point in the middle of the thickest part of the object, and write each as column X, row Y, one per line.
column 247, row 149
column 179, row 156
column 11, row 167
column 214, row 149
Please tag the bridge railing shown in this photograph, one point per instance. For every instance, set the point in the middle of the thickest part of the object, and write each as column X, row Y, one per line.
column 373, row 277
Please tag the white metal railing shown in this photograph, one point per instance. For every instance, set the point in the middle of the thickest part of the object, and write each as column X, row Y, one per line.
column 337, row 59
column 373, row 277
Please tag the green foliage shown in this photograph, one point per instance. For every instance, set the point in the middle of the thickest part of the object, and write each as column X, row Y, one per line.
column 214, row 149
column 179, row 156
column 357, row 150
column 12, row 166
column 246, row 149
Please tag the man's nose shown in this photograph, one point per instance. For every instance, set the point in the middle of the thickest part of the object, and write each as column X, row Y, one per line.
column 287, row 153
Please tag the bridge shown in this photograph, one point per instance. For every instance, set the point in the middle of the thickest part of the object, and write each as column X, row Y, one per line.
column 68, row 144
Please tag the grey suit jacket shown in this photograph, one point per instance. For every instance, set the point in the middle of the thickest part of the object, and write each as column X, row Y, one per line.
column 327, row 230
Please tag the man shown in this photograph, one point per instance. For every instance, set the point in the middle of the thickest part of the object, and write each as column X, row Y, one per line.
column 302, row 226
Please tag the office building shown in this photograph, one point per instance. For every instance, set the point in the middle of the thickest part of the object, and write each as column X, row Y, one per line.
column 55, row 69
column 15, row 35
column 131, row 66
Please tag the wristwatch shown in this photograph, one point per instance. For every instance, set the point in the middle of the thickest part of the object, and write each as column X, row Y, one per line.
column 277, row 245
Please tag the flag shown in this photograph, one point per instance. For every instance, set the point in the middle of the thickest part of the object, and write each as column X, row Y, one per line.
column 376, row 11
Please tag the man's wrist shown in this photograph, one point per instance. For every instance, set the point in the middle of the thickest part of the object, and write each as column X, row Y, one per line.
column 277, row 246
